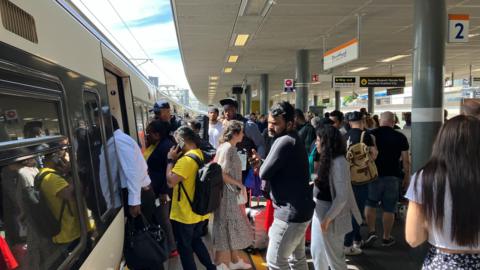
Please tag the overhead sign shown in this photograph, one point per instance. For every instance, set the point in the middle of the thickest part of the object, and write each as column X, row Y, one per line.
column 314, row 77
column 345, row 81
column 395, row 91
column 382, row 81
column 340, row 55
column 288, row 85
column 325, row 100
column 458, row 25
column 476, row 81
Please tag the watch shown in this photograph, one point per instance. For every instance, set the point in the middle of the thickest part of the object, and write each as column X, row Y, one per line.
column 169, row 160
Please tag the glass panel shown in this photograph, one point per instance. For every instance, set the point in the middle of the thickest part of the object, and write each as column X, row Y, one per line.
column 90, row 141
column 24, row 117
column 30, row 195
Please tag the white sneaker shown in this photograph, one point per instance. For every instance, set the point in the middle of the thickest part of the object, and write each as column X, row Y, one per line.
column 352, row 251
column 358, row 244
column 239, row 265
column 222, row 266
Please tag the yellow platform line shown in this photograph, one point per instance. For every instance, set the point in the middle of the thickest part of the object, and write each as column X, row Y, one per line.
column 258, row 261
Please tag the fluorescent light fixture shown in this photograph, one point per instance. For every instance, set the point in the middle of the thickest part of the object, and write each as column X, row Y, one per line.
column 72, row 74
column 394, row 58
column 213, row 83
column 227, row 70
column 213, row 78
column 232, row 58
column 90, row 83
column 241, row 40
column 473, row 35
column 359, row 69
column 478, row 69
column 212, row 87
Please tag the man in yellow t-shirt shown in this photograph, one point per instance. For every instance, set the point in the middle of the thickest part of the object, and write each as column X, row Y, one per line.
column 58, row 190
column 187, row 226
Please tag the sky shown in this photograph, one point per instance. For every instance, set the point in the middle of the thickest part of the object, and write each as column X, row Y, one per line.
column 147, row 32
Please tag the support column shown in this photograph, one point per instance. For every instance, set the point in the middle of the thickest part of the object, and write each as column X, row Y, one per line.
column 371, row 100
column 315, row 100
column 428, row 63
column 337, row 99
column 264, row 94
column 238, row 97
column 248, row 99
column 303, row 78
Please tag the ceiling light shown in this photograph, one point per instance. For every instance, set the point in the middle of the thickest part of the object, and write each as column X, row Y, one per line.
column 478, row 69
column 213, row 78
column 241, row 40
column 232, row 58
column 212, row 87
column 72, row 74
column 228, row 70
column 394, row 58
column 90, row 83
column 359, row 69
column 473, row 35
column 213, row 83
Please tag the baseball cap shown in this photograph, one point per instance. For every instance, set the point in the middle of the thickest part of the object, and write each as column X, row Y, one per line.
column 161, row 104
column 229, row 101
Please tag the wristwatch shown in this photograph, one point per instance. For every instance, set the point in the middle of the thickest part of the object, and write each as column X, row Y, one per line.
column 169, row 160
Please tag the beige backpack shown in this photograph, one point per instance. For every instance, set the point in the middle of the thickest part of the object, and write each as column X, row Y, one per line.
column 362, row 166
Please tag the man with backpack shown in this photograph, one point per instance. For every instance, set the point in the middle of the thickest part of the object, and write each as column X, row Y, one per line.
column 361, row 154
column 182, row 169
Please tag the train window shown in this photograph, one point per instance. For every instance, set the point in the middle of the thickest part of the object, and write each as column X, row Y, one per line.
column 26, row 117
column 31, row 193
column 90, row 139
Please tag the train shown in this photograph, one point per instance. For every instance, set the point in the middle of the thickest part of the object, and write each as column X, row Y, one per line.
column 61, row 80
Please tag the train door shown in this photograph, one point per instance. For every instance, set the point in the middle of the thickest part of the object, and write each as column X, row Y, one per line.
column 120, row 99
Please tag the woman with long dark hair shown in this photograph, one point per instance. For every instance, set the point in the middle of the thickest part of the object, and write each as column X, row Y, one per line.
column 444, row 198
column 334, row 199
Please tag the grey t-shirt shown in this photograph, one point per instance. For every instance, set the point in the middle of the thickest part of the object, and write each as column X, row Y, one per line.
column 436, row 237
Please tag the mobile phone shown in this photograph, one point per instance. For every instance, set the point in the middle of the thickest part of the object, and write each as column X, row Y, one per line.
column 180, row 143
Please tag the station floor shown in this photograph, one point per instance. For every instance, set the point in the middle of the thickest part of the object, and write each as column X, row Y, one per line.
column 397, row 257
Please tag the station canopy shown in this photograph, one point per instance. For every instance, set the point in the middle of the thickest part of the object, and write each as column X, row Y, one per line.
column 228, row 42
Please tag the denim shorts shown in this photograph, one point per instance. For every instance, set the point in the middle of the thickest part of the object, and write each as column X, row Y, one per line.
column 385, row 190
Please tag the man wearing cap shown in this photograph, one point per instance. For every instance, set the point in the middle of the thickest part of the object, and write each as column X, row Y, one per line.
column 252, row 139
column 215, row 127
column 353, row 240
column 162, row 112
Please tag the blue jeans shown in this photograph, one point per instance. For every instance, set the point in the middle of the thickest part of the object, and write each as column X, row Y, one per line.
column 361, row 196
column 385, row 190
column 286, row 247
column 189, row 240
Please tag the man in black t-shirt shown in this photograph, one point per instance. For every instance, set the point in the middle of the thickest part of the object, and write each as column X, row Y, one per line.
column 392, row 146
column 353, row 240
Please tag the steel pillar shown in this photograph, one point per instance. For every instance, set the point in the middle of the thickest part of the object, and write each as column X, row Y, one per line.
column 264, row 108
column 428, row 63
column 303, row 78
column 371, row 100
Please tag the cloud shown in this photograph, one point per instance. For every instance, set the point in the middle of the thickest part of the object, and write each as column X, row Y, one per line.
column 151, row 23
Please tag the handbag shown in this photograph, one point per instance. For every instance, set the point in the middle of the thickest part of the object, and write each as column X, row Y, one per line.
column 145, row 245
column 242, row 196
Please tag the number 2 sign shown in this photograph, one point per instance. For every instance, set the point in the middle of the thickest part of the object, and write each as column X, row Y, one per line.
column 458, row 28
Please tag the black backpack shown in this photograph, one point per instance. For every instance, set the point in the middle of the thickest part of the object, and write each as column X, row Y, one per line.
column 42, row 217
column 208, row 187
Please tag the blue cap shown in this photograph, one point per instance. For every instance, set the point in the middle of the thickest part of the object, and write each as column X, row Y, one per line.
column 161, row 104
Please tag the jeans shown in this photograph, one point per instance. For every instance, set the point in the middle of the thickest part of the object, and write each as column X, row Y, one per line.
column 162, row 217
column 326, row 247
column 286, row 247
column 361, row 196
column 189, row 240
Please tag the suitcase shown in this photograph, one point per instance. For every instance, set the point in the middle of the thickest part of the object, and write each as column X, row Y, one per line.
column 257, row 216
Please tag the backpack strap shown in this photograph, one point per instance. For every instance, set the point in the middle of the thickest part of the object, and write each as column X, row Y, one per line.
column 362, row 136
column 182, row 187
column 199, row 162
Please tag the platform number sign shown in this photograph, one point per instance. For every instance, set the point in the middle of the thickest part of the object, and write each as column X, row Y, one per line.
column 458, row 28
column 288, row 85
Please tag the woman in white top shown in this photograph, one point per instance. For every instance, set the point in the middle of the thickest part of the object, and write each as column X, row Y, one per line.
column 444, row 198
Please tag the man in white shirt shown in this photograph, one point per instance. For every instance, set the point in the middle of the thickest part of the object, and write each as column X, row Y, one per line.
column 215, row 127
column 127, row 163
